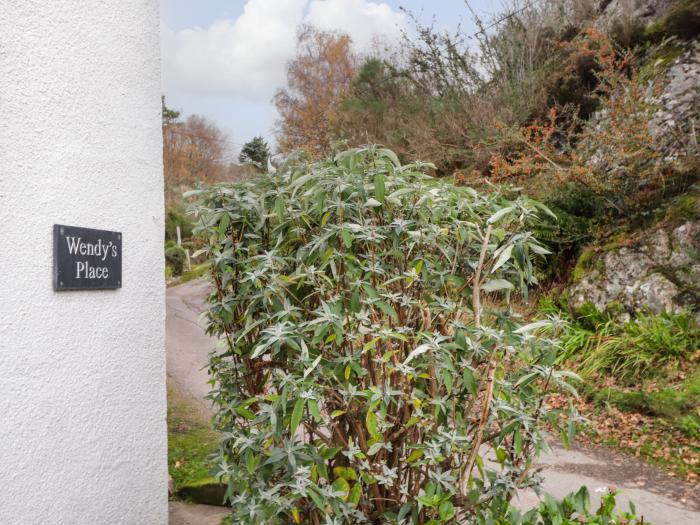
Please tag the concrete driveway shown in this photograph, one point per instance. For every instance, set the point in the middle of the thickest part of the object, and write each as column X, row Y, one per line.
column 188, row 514
column 661, row 499
column 188, row 347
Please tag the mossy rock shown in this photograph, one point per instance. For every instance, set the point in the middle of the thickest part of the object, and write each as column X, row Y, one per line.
column 659, row 61
column 205, row 492
column 583, row 264
column 683, row 21
column 683, row 208
column 653, row 269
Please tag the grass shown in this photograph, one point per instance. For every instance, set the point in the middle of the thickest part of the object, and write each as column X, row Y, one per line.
column 673, row 445
column 642, row 387
column 196, row 272
column 640, row 347
column 657, row 419
column 191, row 442
column 649, row 345
column 671, row 402
column 677, row 400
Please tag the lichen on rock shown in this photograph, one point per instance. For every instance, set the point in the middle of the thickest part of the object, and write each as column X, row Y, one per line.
column 658, row 271
column 673, row 125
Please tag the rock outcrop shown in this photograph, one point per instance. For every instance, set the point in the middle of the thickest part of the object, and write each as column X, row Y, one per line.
column 644, row 11
column 656, row 270
column 673, row 126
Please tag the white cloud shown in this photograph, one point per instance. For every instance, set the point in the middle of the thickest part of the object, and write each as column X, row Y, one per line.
column 362, row 20
column 247, row 56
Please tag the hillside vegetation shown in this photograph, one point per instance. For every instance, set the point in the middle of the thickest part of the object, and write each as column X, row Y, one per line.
column 385, row 320
column 591, row 108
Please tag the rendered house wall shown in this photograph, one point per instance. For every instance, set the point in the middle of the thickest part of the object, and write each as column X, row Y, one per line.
column 82, row 373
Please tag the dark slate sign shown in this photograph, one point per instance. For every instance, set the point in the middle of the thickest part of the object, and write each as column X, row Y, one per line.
column 86, row 259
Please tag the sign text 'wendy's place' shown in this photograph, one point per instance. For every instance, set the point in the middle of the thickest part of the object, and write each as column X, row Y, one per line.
column 86, row 259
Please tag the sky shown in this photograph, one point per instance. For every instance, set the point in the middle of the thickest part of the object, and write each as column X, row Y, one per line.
column 224, row 59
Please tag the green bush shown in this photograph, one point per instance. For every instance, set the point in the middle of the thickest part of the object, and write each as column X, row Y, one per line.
column 173, row 219
column 362, row 380
column 572, row 81
column 573, row 509
column 176, row 257
column 196, row 272
column 577, row 210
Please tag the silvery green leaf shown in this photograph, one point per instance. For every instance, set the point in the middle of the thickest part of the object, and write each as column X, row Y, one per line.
column 375, row 448
column 546, row 210
column 259, row 350
column 569, row 374
column 503, row 257
column 500, row 214
column 534, row 326
column 495, row 285
column 540, row 250
column 391, row 156
column 416, row 352
column 313, row 365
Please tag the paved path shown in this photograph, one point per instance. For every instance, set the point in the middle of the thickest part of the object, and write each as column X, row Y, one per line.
column 188, row 347
column 662, row 499
column 187, row 514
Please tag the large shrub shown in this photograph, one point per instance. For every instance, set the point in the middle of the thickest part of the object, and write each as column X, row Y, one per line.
column 361, row 379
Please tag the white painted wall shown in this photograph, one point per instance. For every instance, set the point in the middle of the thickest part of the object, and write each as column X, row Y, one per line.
column 82, row 374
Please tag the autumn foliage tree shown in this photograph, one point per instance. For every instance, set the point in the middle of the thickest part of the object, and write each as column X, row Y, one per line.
column 193, row 151
column 318, row 79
